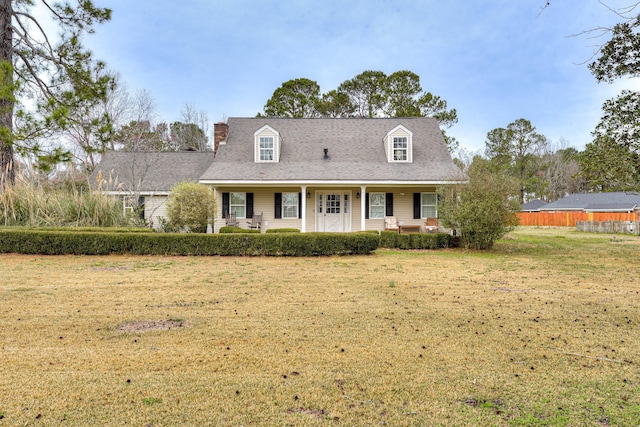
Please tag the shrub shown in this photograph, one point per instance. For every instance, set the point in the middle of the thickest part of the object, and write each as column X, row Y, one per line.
column 104, row 243
column 231, row 229
column 392, row 239
column 481, row 211
column 189, row 207
column 29, row 204
column 282, row 230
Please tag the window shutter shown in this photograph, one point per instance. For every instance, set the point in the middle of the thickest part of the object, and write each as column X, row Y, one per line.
column 416, row 206
column 225, row 204
column 299, row 205
column 141, row 206
column 249, row 205
column 366, row 205
column 277, row 204
column 388, row 200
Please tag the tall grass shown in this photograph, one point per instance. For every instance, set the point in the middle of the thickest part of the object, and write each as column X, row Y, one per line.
column 29, row 203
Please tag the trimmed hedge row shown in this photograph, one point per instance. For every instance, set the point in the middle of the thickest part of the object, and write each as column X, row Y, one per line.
column 283, row 230
column 392, row 239
column 232, row 229
column 105, row 243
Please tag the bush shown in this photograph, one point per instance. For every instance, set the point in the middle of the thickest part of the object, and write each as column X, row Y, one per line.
column 481, row 211
column 232, row 229
column 104, row 243
column 392, row 239
column 29, row 204
column 189, row 207
column 282, row 230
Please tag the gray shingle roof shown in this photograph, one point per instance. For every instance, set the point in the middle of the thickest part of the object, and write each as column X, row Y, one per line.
column 533, row 205
column 595, row 201
column 144, row 171
column 355, row 147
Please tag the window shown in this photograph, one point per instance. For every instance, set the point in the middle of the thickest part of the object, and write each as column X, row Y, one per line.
column 400, row 148
column 429, row 205
column 237, row 204
column 376, row 205
column 266, row 149
column 290, row 205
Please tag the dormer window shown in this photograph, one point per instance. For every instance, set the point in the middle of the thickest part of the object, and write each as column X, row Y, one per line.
column 400, row 149
column 398, row 145
column 266, row 149
column 266, row 145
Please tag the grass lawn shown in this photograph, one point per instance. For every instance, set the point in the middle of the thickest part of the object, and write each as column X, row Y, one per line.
column 542, row 330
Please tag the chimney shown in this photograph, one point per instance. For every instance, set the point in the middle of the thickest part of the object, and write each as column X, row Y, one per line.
column 220, row 133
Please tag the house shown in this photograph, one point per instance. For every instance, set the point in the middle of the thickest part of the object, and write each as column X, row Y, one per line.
column 324, row 174
column 614, row 206
column 143, row 179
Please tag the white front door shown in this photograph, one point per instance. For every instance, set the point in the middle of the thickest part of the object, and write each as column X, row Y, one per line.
column 333, row 212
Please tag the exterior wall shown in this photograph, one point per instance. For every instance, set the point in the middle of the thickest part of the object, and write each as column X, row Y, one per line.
column 571, row 218
column 154, row 208
column 263, row 202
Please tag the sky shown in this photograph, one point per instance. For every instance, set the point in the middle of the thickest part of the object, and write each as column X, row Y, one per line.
column 494, row 61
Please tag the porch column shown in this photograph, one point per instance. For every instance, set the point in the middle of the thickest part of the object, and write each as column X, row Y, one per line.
column 303, row 226
column 216, row 212
column 363, row 206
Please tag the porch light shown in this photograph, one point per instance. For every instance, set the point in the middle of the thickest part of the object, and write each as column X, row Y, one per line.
column 357, row 194
column 308, row 194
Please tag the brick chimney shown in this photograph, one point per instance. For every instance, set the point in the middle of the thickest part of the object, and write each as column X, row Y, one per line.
column 220, row 133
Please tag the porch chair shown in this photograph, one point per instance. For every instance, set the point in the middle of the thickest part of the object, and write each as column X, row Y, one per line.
column 231, row 220
column 391, row 224
column 256, row 221
column 431, row 225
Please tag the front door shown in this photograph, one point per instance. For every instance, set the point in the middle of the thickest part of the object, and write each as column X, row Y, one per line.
column 333, row 212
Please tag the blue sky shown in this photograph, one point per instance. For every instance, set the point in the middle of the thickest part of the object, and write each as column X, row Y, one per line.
column 495, row 61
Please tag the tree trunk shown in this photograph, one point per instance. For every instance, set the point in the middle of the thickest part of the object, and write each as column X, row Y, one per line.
column 7, row 100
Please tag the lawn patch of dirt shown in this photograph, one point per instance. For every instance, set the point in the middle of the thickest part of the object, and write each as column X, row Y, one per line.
column 138, row 326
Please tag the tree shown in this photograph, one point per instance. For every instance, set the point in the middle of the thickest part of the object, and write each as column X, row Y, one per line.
column 562, row 173
column 60, row 77
column 191, row 206
column 295, row 98
column 516, row 150
column 366, row 93
column 481, row 211
column 620, row 56
column 192, row 132
column 336, row 104
column 609, row 166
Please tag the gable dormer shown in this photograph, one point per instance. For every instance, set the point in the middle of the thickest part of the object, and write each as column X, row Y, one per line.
column 398, row 145
column 266, row 145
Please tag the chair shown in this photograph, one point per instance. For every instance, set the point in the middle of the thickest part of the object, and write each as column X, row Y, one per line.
column 231, row 220
column 391, row 223
column 431, row 225
column 256, row 222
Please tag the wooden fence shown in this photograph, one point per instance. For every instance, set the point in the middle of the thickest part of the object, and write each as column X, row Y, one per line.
column 571, row 218
column 628, row 227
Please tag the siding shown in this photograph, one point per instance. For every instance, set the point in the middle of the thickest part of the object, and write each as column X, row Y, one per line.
column 154, row 208
column 263, row 201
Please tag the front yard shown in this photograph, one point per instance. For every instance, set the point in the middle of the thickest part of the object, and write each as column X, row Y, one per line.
column 543, row 330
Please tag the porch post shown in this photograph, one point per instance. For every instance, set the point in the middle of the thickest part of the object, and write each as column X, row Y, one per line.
column 303, row 226
column 363, row 206
column 215, row 213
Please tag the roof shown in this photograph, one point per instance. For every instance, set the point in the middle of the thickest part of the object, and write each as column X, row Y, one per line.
column 149, row 171
column 615, row 201
column 355, row 147
column 533, row 205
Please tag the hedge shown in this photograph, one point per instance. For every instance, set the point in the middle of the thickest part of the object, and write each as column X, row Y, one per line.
column 393, row 239
column 282, row 230
column 232, row 229
column 104, row 243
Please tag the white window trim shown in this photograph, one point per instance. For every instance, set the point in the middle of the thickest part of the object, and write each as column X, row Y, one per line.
column 383, row 205
column 297, row 206
column 264, row 132
column 261, row 149
column 244, row 205
column 398, row 132
column 422, row 205
column 405, row 149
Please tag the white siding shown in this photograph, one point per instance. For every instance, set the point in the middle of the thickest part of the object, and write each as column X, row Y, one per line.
column 154, row 208
column 266, row 131
column 399, row 131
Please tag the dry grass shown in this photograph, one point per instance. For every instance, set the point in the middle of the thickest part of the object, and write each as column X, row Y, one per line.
column 543, row 330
